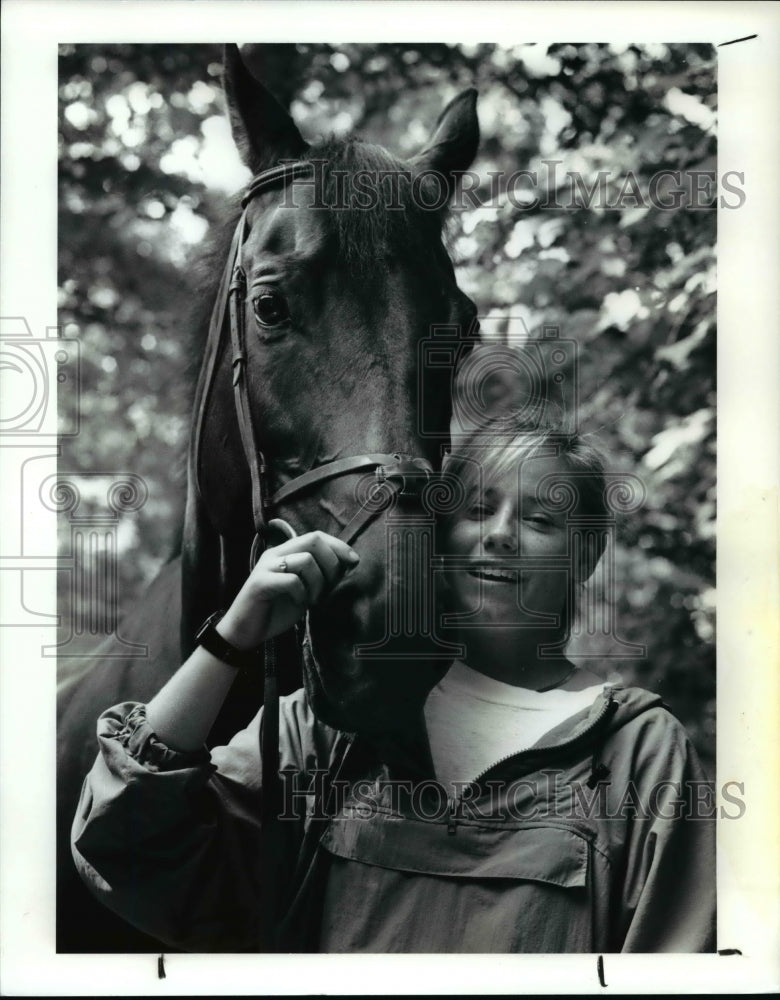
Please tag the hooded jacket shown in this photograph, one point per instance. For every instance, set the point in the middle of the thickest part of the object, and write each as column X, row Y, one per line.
column 598, row 838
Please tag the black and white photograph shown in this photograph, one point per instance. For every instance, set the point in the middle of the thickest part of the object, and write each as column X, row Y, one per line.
column 381, row 534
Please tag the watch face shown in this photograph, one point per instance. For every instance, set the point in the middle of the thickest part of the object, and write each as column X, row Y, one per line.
column 209, row 623
column 218, row 646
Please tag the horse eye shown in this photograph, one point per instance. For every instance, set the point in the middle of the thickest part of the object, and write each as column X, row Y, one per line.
column 271, row 309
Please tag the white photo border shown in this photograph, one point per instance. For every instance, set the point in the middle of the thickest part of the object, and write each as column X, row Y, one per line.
column 748, row 719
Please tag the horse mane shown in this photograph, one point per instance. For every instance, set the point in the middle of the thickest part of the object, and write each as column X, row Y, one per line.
column 364, row 235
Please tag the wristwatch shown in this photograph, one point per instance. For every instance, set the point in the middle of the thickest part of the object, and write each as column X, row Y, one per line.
column 217, row 645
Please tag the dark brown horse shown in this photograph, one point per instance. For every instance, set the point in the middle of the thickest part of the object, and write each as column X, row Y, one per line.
column 346, row 277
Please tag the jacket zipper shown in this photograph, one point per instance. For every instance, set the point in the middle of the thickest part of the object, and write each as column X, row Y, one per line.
column 455, row 803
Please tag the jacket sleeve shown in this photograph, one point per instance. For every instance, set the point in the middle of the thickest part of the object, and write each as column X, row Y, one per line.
column 171, row 841
column 667, row 899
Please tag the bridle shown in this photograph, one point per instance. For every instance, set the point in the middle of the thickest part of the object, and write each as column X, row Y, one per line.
column 396, row 476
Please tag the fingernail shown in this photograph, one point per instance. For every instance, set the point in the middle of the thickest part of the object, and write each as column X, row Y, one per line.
column 353, row 557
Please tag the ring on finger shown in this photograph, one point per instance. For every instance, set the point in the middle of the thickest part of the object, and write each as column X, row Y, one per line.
column 281, row 566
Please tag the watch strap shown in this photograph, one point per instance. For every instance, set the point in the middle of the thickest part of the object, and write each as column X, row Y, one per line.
column 216, row 644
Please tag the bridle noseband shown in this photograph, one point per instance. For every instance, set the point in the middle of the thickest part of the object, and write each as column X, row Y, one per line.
column 396, row 475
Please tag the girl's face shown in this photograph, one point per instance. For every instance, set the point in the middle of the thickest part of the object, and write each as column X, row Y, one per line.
column 509, row 552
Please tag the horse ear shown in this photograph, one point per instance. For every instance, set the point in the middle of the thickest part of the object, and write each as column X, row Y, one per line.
column 455, row 141
column 262, row 130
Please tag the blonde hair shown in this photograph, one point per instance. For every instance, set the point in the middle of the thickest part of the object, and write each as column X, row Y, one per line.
column 497, row 447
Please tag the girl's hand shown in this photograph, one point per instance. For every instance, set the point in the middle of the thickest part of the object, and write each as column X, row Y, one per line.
column 286, row 581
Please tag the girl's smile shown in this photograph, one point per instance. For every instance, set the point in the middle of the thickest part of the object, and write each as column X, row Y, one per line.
column 508, row 549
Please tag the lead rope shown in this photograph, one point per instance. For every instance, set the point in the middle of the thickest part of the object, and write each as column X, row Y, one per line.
column 271, row 802
column 269, row 734
column 269, row 731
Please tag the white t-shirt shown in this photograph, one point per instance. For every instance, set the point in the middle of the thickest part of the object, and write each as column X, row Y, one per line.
column 474, row 721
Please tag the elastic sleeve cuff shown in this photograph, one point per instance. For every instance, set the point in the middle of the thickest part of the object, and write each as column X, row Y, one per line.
column 131, row 729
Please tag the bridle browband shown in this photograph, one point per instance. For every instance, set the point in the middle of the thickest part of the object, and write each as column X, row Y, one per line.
column 395, row 474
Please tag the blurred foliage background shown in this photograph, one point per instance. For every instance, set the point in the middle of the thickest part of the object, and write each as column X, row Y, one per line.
column 147, row 169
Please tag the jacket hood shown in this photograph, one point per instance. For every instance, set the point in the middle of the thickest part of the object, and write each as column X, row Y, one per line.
column 612, row 709
column 622, row 703
column 408, row 752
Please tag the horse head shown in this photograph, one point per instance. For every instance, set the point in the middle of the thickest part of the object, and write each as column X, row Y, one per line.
column 346, row 276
